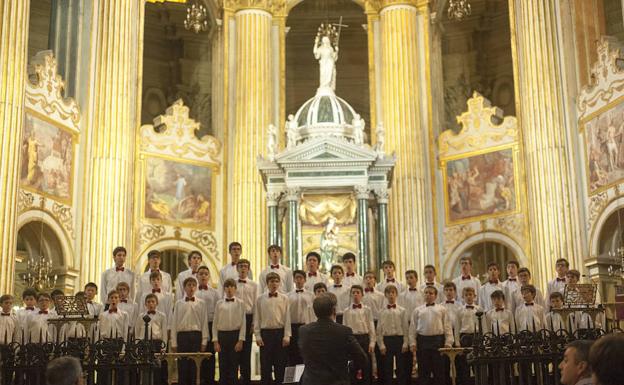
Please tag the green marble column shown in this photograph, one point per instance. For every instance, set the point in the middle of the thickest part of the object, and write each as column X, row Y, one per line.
column 294, row 259
column 382, row 225
column 362, row 195
column 273, row 225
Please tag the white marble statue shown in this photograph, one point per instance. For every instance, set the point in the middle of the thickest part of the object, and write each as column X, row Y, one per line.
column 272, row 142
column 291, row 132
column 380, row 133
column 358, row 129
column 329, row 244
column 327, row 55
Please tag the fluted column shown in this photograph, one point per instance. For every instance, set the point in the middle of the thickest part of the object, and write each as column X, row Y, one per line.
column 13, row 48
column 410, row 199
column 107, row 214
column 382, row 225
column 553, row 207
column 253, row 111
column 362, row 194
column 272, row 201
column 295, row 261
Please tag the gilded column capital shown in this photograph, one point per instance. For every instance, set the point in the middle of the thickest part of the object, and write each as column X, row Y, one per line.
column 274, row 7
column 361, row 192
column 379, row 5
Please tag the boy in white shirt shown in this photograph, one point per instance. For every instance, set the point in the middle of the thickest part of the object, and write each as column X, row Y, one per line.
column 583, row 321
column 359, row 318
column 498, row 319
column 467, row 327
column 529, row 315
column 351, row 276
column 512, row 284
column 228, row 331
column 554, row 320
column 430, row 280
column 558, row 283
column 389, row 271
column 156, row 333
column 340, row 291
column 145, row 286
column 517, row 300
column 39, row 330
column 9, row 326
column 111, row 277
column 392, row 336
column 113, row 323
column 165, row 300
column 465, row 278
column 300, row 303
column 313, row 275
column 374, row 299
column 452, row 307
column 410, row 299
column 230, row 270
column 275, row 266
column 126, row 304
column 29, row 298
column 90, row 292
column 493, row 284
column 210, row 296
column 194, row 260
column 247, row 291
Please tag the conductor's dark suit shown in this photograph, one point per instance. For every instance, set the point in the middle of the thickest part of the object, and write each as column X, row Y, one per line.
column 326, row 347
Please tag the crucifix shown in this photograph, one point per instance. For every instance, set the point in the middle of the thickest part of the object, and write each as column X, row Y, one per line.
column 339, row 25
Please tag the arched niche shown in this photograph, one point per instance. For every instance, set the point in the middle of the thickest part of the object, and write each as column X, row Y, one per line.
column 484, row 248
column 608, row 230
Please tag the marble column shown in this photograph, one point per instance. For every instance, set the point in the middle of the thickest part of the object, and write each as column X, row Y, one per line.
column 409, row 207
column 362, row 194
column 294, row 259
column 553, row 200
column 382, row 225
column 13, row 51
column 272, row 200
column 252, row 116
column 108, row 192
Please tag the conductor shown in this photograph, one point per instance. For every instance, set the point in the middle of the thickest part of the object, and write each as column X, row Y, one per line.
column 326, row 347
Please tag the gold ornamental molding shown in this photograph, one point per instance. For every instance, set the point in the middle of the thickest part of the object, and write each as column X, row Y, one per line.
column 45, row 90
column 274, row 7
column 379, row 5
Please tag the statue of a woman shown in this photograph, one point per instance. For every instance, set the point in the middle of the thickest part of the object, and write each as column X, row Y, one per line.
column 327, row 55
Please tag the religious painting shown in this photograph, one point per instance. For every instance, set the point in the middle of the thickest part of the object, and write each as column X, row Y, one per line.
column 604, row 141
column 481, row 185
column 178, row 193
column 47, row 158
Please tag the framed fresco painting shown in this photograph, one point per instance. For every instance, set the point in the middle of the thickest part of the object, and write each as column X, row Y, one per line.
column 604, row 146
column 47, row 157
column 178, row 192
column 481, row 185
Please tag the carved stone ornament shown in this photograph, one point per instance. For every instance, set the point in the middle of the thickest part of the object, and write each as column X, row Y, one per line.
column 597, row 204
column 482, row 126
column 65, row 217
column 174, row 134
column 361, row 192
column 453, row 236
column 382, row 194
column 45, row 90
column 514, row 226
column 273, row 197
column 25, row 200
column 149, row 233
column 293, row 194
column 275, row 7
column 607, row 82
column 207, row 240
column 378, row 5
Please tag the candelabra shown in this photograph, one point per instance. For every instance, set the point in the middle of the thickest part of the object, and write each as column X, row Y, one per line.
column 458, row 9
column 617, row 270
column 38, row 274
column 196, row 18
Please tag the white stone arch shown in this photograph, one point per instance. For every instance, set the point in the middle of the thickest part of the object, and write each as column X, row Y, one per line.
column 492, row 236
column 176, row 243
column 37, row 215
column 612, row 207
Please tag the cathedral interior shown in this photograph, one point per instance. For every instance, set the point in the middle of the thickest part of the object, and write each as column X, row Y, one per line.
column 443, row 129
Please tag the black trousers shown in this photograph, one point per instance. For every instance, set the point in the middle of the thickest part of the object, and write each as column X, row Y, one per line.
column 430, row 362
column 207, row 370
column 339, row 319
column 394, row 345
column 294, row 355
column 228, row 357
column 245, row 355
column 272, row 356
column 160, row 373
column 362, row 375
column 463, row 370
column 188, row 342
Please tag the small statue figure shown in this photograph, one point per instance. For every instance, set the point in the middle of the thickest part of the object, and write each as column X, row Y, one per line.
column 272, row 142
column 358, row 129
column 329, row 244
column 327, row 55
column 381, row 138
column 291, row 132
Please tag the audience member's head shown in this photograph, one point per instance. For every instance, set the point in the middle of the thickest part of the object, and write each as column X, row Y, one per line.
column 575, row 363
column 325, row 306
column 607, row 361
column 64, row 371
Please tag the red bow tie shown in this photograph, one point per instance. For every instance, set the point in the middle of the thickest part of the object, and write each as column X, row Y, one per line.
column 275, row 266
column 493, row 282
column 312, row 274
column 299, row 291
column 271, row 295
column 155, row 291
column 193, row 272
column 155, row 271
column 368, row 290
column 391, row 306
column 390, row 280
column 112, row 310
column 511, row 279
column 203, row 287
column 528, row 304
column 43, row 312
column 233, row 263
column 6, row 314
column 469, row 307
column 430, row 304
column 192, row 299
column 429, row 283
column 451, row 302
column 350, row 274
column 560, row 279
column 30, row 308
column 357, row 305
column 242, row 281
column 500, row 309
column 120, row 268
column 465, row 278
column 337, row 286
column 229, row 300
column 124, row 300
column 151, row 312
column 90, row 302
column 413, row 289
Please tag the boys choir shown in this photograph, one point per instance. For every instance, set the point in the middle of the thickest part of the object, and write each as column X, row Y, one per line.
column 398, row 324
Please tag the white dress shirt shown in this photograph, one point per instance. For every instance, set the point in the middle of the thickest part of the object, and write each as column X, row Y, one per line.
column 342, row 294
column 555, row 322
column 557, row 284
column 381, row 286
column 210, row 297
column 467, row 320
column 229, row 316
column 111, row 277
column 113, row 324
column 272, row 313
column 374, row 300
column 438, row 286
column 461, row 282
column 313, row 279
column 430, row 320
column 518, row 301
column 156, row 328
column 189, row 316
column 230, row 271
column 72, row 329
column 24, row 314
column 39, row 330
column 247, row 291
column 360, row 319
column 132, row 309
column 530, row 317
column 165, row 303
column 499, row 321
column 393, row 321
column 181, row 277
column 511, row 284
column 485, row 291
column 145, row 286
column 300, row 303
column 286, row 278
column 9, row 328
column 350, row 280
column 452, row 309
column 410, row 299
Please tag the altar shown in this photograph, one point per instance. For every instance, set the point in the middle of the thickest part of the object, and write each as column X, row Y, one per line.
column 327, row 191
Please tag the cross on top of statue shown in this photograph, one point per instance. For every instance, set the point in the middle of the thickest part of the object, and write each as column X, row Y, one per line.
column 331, row 30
